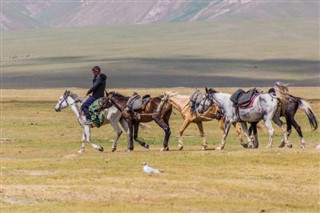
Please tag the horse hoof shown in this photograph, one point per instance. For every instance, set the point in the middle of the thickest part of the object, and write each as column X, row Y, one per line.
column 164, row 149
column 282, row 144
column 130, row 150
column 218, row 148
column 113, row 149
column 289, row 145
column 146, row 146
column 244, row 145
column 303, row 146
column 204, row 148
column 180, row 148
column 101, row 149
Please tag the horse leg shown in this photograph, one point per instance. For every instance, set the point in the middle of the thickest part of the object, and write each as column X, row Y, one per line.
column 246, row 133
column 167, row 131
column 253, row 128
column 83, row 140
column 185, row 124
column 225, row 134
column 239, row 132
column 130, row 141
column 204, row 143
column 289, row 130
column 283, row 126
column 88, row 134
column 256, row 140
column 124, row 125
column 271, row 132
column 135, row 136
column 298, row 129
column 115, row 125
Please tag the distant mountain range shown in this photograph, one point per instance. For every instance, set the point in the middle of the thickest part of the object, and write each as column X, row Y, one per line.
column 32, row 14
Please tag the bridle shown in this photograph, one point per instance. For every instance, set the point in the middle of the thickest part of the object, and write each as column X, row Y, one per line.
column 64, row 99
column 209, row 96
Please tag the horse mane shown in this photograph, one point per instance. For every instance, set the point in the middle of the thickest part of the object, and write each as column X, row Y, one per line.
column 212, row 90
column 175, row 94
column 116, row 94
column 74, row 96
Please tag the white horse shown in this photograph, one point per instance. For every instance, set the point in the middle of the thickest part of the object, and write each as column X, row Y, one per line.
column 265, row 107
column 112, row 116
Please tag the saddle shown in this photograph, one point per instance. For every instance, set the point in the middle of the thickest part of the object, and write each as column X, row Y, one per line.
column 195, row 99
column 240, row 98
column 136, row 102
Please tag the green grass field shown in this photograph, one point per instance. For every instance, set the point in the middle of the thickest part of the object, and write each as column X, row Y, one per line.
column 41, row 170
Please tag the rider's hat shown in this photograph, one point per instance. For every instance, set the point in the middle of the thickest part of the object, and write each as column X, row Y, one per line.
column 96, row 68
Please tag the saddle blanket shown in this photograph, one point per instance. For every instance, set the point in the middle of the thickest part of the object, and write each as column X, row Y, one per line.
column 250, row 104
column 97, row 116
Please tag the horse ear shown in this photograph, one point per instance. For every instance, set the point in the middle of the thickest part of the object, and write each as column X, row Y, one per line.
column 66, row 92
column 106, row 92
column 206, row 90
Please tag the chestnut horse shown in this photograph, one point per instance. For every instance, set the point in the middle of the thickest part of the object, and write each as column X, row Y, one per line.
column 149, row 113
column 181, row 103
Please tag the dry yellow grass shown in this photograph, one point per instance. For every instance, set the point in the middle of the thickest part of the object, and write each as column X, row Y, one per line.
column 41, row 170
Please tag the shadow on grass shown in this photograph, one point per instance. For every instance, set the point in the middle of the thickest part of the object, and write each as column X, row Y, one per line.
column 181, row 71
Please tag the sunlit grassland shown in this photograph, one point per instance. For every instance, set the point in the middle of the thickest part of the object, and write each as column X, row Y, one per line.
column 41, row 170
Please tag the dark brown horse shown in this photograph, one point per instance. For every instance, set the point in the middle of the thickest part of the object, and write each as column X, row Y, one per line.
column 147, row 114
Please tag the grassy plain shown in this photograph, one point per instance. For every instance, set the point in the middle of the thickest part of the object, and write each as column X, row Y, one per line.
column 41, row 170
column 220, row 53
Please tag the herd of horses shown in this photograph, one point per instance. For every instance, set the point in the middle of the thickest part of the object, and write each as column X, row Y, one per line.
column 212, row 105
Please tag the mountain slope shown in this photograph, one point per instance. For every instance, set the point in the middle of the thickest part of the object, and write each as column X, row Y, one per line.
column 36, row 13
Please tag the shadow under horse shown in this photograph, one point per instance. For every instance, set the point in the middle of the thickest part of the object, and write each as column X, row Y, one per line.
column 146, row 114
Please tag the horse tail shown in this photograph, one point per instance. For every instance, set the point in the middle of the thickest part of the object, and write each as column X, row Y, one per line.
column 305, row 106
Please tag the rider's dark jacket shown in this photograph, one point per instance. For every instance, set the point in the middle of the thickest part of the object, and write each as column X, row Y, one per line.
column 99, row 85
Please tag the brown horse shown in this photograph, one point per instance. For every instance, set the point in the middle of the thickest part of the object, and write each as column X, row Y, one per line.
column 147, row 114
column 181, row 103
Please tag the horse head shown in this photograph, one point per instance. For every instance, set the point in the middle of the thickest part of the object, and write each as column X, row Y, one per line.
column 206, row 101
column 67, row 99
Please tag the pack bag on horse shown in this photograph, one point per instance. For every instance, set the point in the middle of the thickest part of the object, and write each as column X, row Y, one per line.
column 188, row 105
column 292, row 104
column 137, row 110
column 111, row 115
column 136, row 102
column 265, row 107
column 195, row 99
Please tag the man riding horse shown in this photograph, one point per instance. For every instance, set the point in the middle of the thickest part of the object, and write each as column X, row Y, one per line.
column 97, row 90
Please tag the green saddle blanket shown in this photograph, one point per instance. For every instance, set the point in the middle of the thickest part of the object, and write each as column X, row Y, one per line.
column 96, row 116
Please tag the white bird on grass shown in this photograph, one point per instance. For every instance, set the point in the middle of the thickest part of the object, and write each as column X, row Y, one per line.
column 150, row 170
